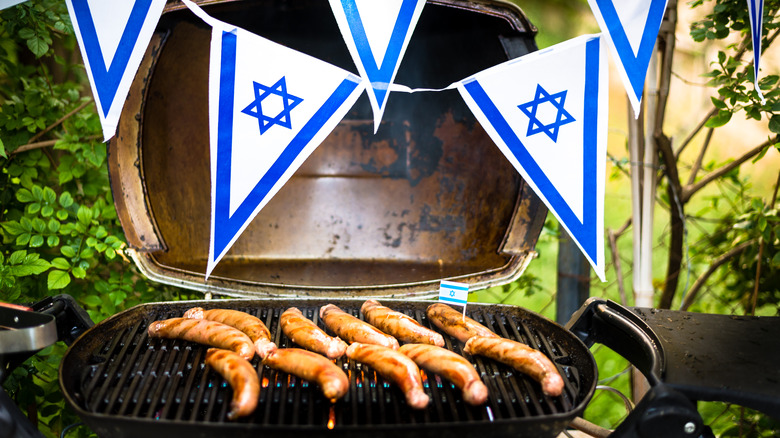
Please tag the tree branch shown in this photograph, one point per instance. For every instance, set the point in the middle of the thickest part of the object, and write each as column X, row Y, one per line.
column 691, row 296
column 45, row 144
column 754, row 301
column 676, row 219
column 690, row 190
column 618, row 268
column 700, row 158
column 62, row 119
column 695, row 131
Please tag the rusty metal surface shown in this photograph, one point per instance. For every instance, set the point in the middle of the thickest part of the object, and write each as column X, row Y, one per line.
column 428, row 197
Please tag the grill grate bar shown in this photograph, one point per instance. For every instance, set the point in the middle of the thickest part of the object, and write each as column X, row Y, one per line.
column 160, row 379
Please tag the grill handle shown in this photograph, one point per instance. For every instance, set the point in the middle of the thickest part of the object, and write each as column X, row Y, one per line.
column 609, row 323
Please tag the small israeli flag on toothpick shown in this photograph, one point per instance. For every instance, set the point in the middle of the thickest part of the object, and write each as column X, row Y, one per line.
column 452, row 292
column 631, row 26
column 113, row 37
column 377, row 33
column 547, row 113
column 269, row 108
column 756, row 11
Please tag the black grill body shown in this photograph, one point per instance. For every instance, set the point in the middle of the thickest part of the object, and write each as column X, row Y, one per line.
column 124, row 384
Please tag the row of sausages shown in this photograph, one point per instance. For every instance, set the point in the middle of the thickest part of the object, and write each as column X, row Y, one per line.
column 237, row 336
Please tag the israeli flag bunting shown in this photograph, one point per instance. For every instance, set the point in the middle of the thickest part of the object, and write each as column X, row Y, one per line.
column 756, row 10
column 113, row 37
column 8, row 3
column 547, row 112
column 269, row 108
column 631, row 27
column 377, row 33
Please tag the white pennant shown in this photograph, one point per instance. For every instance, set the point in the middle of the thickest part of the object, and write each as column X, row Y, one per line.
column 631, row 28
column 269, row 108
column 113, row 37
column 756, row 11
column 8, row 3
column 377, row 33
column 547, row 112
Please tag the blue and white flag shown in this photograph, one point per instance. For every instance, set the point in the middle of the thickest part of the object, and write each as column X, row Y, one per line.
column 547, row 112
column 269, row 108
column 113, row 37
column 377, row 33
column 452, row 292
column 756, row 10
column 631, row 28
column 8, row 3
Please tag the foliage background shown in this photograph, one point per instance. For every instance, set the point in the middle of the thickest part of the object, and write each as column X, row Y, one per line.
column 60, row 233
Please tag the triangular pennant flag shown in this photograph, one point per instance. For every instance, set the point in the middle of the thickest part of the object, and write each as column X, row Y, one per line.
column 8, row 3
column 547, row 112
column 631, row 28
column 113, row 37
column 756, row 11
column 269, row 108
column 377, row 33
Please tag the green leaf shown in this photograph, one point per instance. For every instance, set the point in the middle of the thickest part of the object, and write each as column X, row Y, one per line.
column 33, row 208
column 53, row 225
column 84, row 215
column 776, row 259
column 17, row 257
column 92, row 300
column 719, row 119
column 110, row 253
column 24, row 195
column 60, row 263
column 2, row 149
column 23, row 239
column 38, row 46
column 36, row 241
column 774, row 124
column 49, row 195
column 13, row 228
column 79, row 272
column 39, row 225
column 52, row 241
column 58, row 279
column 718, row 103
column 61, row 215
column 34, row 267
column 68, row 251
column 66, row 200
column 37, row 193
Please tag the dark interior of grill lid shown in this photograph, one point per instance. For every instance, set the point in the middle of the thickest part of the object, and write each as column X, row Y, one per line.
column 428, row 197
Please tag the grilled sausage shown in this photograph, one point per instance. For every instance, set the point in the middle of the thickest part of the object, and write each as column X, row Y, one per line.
column 520, row 357
column 452, row 367
column 305, row 333
column 312, row 367
column 251, row 325
column 452, row 322
column 402, row 327
column 395, row 367
column 206, row 332
column 241, row 376
column 352, row 329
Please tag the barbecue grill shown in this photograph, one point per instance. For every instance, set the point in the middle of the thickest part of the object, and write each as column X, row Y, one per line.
column 428, row 197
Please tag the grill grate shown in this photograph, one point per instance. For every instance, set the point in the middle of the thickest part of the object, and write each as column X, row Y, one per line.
column 125, row 374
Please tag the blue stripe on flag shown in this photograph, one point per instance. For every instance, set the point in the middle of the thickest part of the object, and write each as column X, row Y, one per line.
column 634, row 65
column 383, row 74
column 585, row 231
column 452, row 300
column 107, row 79
column 226, row 226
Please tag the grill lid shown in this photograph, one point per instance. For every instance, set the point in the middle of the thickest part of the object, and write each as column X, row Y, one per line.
column 123, row 383
column 428, row 197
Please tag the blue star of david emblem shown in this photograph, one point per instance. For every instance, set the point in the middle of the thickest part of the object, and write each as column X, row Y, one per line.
column 536, row 126
column 255, row 109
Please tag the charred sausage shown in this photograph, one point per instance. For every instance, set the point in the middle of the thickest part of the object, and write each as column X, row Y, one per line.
column 395, row 367
column 241, row 376
column 352, row 329
column 312, row 367
column 402, row 327
column 205, row 332
column 520, row 357
column 452, row 367
column 305, row 333
column 452, row 322
column 251, row 325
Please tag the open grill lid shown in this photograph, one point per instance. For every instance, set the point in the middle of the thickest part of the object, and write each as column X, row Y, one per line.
column 428, row 197
column 124, row 384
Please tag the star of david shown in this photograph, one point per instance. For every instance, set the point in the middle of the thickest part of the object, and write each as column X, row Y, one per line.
column 536, row 126
column 255, row 109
